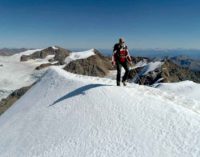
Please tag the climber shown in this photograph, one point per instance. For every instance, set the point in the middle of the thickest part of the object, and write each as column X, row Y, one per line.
column 121, row 58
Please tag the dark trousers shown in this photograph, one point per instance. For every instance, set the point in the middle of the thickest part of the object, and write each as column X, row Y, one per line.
column 125, row 66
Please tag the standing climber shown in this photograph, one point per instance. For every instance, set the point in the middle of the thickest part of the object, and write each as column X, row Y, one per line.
column 121, row 58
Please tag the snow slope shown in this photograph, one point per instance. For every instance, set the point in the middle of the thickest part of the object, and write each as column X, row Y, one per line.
column 15, row 74
column 79, row 55
column 187, row 89
column 80, row 116
column 146, row 69
column 54, row 47
column 141, row 63
column 151, row 67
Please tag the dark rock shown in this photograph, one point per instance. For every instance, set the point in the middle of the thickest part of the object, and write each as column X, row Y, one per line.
column 51, row 60
column 60, row 54
column 168, row 72
column 171, row 72
column 96, row 65
column 42, row 66
column 19, row 92
column 25, row 58
column 12, row 98
column 138, row 59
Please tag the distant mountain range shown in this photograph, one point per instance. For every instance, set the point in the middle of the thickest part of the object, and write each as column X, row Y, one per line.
column 159, row 53
column 67, row 114
column 72, row 115
column 150, row 70
column 187, row 62
column 186, row 58
column 9, row 52
column 146, row 71
column 151, row 53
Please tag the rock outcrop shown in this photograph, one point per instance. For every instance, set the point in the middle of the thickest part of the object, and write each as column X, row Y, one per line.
column 96, row 65
column 12, row 98
column 60, row 54
column 45, row 65
column 174, row 73
column 168, row 72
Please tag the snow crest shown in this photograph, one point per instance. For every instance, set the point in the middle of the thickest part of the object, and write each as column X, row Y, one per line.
column 187, row 89
column 71, row 115
column 151, row 67
column 79, row 55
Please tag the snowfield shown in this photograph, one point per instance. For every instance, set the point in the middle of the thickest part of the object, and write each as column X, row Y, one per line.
column 151, row 67
column 146, row 69
column 187, row 89
column 80, row 116
column 141, row 64
column 79, row 55
column 15, row 74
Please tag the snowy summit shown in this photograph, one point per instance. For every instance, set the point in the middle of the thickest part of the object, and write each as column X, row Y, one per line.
column 79, row 55
column 72, row 115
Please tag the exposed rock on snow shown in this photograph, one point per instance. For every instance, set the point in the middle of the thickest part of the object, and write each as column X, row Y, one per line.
column 93, row 63
column 166, row 71
column 60, row 54
column 15, row 74
column 55, row 48
column 45, row 65
column 12, row 98
column 175, row 73
column 79, row 55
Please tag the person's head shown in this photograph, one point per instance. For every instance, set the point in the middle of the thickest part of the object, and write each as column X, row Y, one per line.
column 121, row 41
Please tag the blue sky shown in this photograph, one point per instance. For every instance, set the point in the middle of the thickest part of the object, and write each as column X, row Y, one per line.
column 99, row 24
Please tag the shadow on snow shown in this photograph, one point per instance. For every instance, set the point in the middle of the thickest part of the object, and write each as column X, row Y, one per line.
column 78, row 91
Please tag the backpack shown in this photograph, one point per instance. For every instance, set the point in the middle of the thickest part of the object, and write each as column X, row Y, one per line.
column 121, row 52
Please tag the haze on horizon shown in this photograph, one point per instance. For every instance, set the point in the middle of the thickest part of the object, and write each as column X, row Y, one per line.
column 166, row 24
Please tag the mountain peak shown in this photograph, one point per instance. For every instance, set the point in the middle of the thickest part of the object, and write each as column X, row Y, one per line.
column 87, row 116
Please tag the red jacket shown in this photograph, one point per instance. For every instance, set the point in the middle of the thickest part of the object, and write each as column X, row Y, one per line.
column 121, row 53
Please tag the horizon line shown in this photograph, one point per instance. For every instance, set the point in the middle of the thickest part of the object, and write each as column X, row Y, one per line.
column 137, row 48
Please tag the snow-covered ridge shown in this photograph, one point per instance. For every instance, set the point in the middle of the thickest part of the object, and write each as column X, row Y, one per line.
column 28, row 52
column 15, row 74
column 147, row 67
column 54, row 47
column 79, row 55
column 151, row 67
column 141, row 63
column 187, row 89
column 71, row 115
